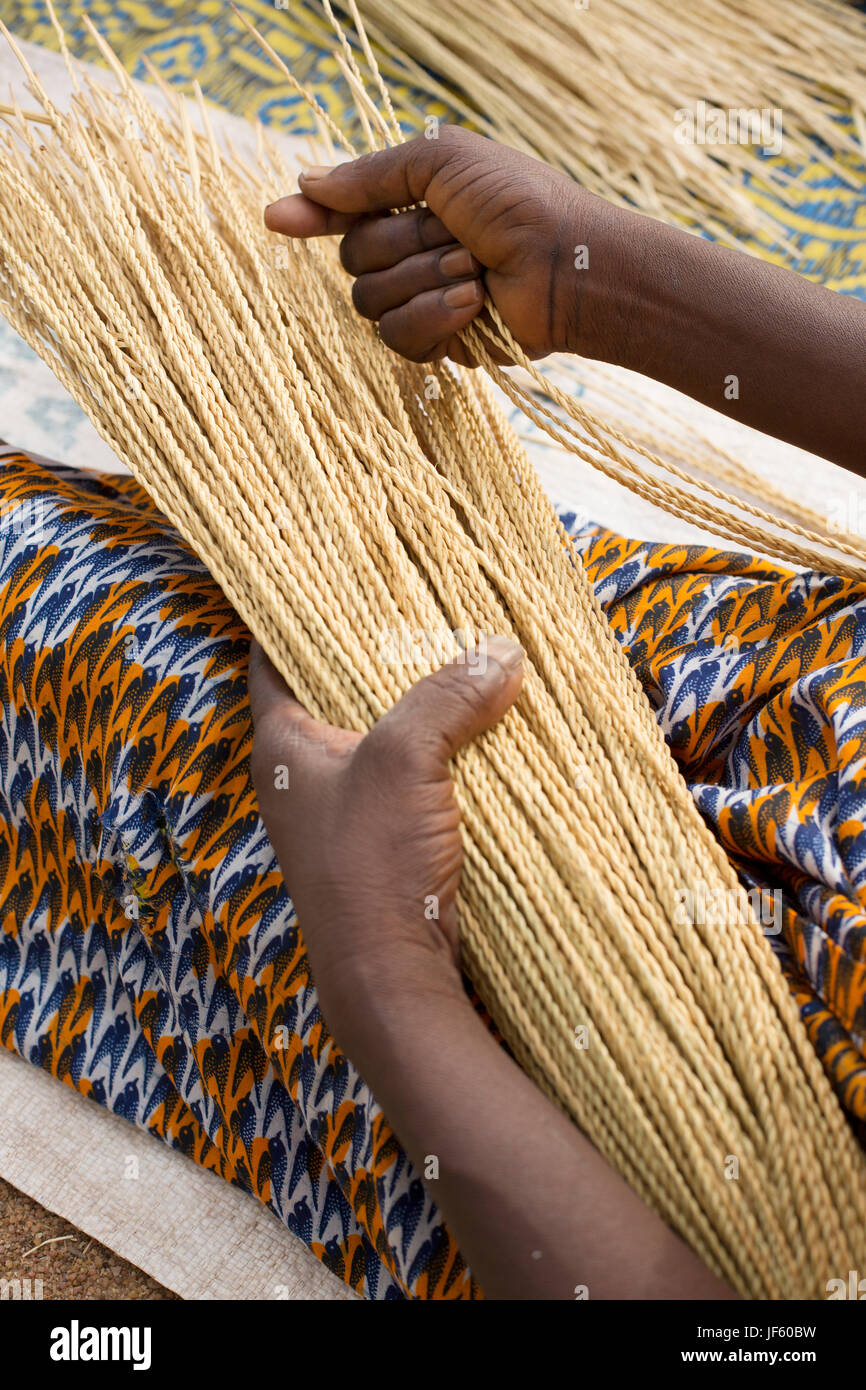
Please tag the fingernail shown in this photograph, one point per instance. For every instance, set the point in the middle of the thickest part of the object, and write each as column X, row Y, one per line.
column 269, row 212
column 456, row 263
column 461, row 296
column 316, row 171
column 506, row 651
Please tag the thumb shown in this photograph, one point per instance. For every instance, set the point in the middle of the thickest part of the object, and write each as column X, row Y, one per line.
column 453, row 706
column 331, row 200
column 395, row 177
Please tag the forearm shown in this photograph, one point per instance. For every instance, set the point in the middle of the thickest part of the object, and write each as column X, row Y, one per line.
column 535, row 1209
column 368, row 836
column 754, row 341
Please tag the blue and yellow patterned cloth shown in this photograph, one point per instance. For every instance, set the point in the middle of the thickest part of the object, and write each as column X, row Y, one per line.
column 822, row 219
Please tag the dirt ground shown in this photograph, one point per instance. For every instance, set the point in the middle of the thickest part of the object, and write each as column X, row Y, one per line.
column 72, row 1265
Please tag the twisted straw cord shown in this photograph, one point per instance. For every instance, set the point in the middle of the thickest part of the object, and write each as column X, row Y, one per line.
column 333, row 501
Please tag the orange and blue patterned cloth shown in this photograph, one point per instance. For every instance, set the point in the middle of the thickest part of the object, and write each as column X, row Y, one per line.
column 149, row 954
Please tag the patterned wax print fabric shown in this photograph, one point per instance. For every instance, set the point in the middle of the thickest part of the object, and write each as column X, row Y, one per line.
column 758, row 677
column 149, row 954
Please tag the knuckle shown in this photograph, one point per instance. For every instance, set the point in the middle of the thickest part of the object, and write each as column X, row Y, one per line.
column 389, row 333
column 428, row 229
column 276, row 742
column 419, row 354
column 424, row 158
column 397, row 334
column 459, row 694
column 395, row 752
column 362, row 297
column 262, row 759
column 349, row 258
column 454, row 138
column 421, row 157
column 359, row 167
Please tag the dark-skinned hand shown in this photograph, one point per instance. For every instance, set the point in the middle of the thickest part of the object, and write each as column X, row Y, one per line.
column 492, row 214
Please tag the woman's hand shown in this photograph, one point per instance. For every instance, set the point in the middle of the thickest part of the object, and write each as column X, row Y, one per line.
column 490, row 210
column 367, row 833
column 571, row 272
column 367, row 829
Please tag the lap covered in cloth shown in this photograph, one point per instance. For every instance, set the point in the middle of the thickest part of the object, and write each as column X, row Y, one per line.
column 149, row 953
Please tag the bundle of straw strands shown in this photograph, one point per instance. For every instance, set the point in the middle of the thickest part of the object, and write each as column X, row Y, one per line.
column 594, row 88
column 339, row 499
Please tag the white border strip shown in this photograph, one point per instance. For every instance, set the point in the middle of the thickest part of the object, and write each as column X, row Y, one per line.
column 185, row 1227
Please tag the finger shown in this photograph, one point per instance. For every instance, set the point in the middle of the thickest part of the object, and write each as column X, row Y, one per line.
column 457, row 351
column 265, row 685
column 450, row 708
column 297, row 216
column 383, row 179
column 420, row 330
column 287, row 735
column 393, row 178
column 373, row 295
column 375, row 242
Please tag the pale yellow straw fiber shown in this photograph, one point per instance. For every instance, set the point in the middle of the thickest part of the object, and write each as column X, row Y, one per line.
column 346, row 500
column 655, row 104
column 664, row 107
